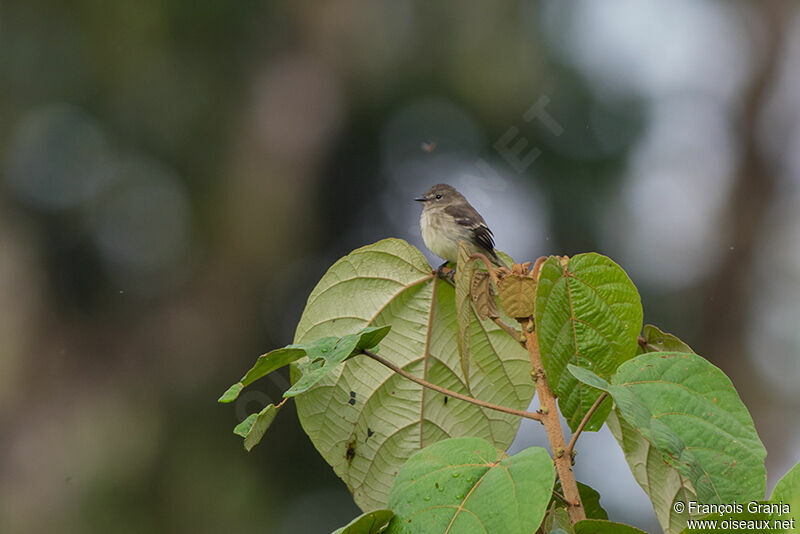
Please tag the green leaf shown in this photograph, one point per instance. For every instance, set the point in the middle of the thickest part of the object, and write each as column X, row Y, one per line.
column 787, row 491
column 591, row 502
column 557, row 521
column 588, row 314
column 684, row 411
column 232, row 393
column 265, row 364
column 331, row 351
column 599, row 526
column 589, row 497
column 368, row 338
column 661, row 482
column 464, row 315
column 690, row 411
column 362, row 418
column 466, row 485
column 587, row 377
column 252, row 429
column 508, row 260
column 368, row 523
column 332, row 356
column 655, row 340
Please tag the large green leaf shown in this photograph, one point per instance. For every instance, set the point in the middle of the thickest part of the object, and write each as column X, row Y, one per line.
column 588, row 313
column 787, row 491
column 662, row 483
column 366, row 421
column 690, row 412
column 465, row 485
column 367, row 523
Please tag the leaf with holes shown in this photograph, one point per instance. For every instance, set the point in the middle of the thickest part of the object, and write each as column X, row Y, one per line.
column 467, row 485
column 319, row 365
column 365, row 420
column 323, row 355
column 690, row 412
column 588, row 313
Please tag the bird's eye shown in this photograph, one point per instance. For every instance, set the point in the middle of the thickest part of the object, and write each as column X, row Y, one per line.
column 438, row 197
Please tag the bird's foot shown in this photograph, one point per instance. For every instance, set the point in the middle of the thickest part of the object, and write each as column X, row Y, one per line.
column 447, row 274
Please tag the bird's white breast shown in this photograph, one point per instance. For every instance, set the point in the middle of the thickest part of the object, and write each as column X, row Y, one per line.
column 441, row 234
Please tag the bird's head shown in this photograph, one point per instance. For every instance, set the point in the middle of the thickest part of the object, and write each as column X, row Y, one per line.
column 440, row 195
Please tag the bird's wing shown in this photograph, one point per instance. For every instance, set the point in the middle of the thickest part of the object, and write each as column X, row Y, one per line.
column 467, row 216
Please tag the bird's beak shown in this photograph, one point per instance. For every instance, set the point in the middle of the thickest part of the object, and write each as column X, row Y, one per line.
column 421, row 199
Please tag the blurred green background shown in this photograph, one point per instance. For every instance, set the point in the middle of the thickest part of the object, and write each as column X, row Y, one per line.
column 175, row 176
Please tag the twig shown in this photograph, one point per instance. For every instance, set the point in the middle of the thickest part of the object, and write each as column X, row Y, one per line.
column 485, row 260
column 510, row 330
column 552, row 425
column 574, row 439
column 647, row 347
column 538, row 267
column 520, row 413
column 445, row 276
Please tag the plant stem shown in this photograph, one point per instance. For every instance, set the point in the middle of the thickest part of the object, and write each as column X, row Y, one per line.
column 449, row 393
column 645, row 346
column 585, row 420
column 485, row 260
column 552, row 425
column 510, row 330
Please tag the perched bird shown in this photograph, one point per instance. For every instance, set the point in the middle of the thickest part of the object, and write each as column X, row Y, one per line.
column 447, row 218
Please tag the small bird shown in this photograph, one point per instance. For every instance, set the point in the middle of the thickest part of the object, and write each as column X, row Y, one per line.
column 447, row 219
